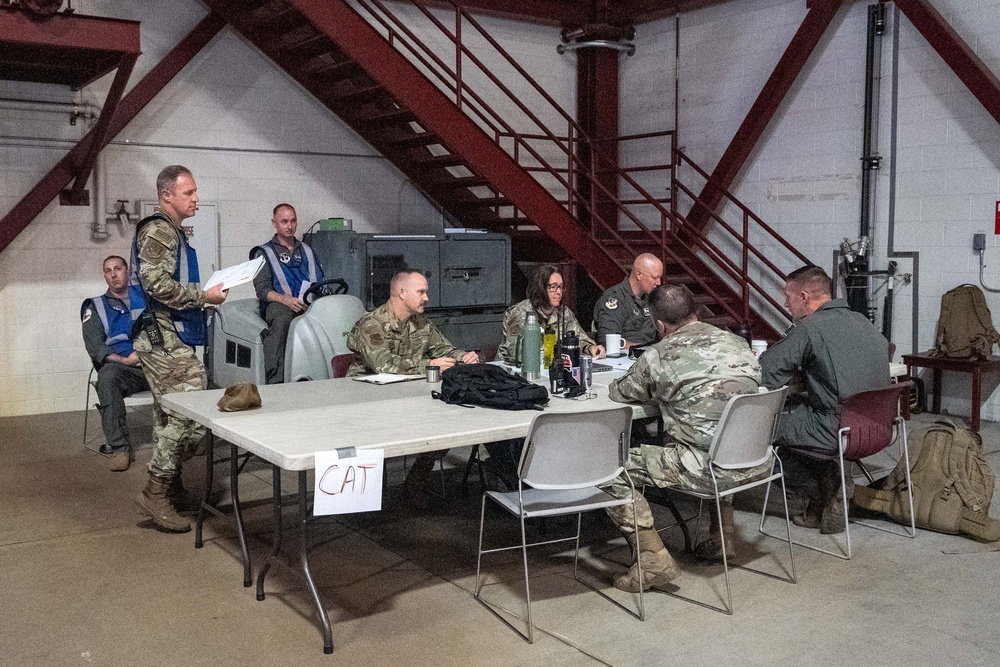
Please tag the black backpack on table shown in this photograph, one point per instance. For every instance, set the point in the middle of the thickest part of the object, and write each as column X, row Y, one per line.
column 491, row 387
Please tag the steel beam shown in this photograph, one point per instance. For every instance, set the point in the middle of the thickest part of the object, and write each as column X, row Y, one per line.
column 103, row 126
column 66, row 169
column 977, row 77
column 72, row 31
column 438, row 114
column 814, row 25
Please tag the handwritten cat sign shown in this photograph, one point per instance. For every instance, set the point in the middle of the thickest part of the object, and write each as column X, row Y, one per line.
column 350, row 483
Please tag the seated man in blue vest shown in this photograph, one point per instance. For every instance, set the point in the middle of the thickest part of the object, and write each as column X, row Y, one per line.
column 107, row 335
column 290, row 269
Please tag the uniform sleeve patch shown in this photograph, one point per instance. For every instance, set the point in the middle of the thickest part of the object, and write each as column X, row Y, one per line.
column 87, row 314
column 611, row 303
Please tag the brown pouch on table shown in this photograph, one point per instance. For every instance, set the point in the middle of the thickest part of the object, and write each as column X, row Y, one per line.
column 241, row 396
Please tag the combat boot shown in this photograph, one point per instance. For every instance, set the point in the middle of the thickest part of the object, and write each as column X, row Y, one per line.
column 153, row 502
column 711, row 549
column 417, row 478
column 121, row 458
column 833, row 520
column 658, row 566
column 182, row 499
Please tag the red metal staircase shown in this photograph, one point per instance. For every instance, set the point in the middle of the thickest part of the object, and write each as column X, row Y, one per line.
column 507, row 171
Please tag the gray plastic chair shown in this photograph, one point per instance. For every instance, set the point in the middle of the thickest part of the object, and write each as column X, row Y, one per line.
column 565, row 458
column 743, row 440
column 136, row 400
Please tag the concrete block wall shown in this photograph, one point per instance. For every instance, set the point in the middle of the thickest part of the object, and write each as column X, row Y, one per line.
column 251, row 136
column 804, row 176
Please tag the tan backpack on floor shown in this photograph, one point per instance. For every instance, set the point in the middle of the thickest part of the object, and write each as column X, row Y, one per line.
column 952, row 484
column 965, row 329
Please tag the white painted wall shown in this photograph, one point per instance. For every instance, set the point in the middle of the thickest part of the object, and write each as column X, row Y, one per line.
column 251, row 136
column 804, row 176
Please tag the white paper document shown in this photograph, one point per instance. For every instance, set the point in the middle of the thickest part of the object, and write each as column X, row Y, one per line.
column 349, row 484
column 236, row 275
column 387, row 378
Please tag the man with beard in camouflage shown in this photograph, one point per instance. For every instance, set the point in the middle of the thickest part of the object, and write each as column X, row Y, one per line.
column 691, row 373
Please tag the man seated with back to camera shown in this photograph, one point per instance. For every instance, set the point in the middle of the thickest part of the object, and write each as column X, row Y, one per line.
column 622, row 309
column 290, row 269
column 691, row 373
column 397, row 338
column 836, row 353
column 107, row 335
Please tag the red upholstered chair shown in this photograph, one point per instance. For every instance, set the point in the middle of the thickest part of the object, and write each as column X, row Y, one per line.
column 869, row 423
column 340, row 364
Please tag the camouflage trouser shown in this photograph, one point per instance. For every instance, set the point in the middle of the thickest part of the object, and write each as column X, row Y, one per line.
column 170, row 368
column 652, row 465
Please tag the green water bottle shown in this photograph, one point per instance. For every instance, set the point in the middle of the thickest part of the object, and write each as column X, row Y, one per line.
column 531, row 347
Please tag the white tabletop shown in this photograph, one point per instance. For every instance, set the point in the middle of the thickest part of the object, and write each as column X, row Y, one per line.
column 296, row 420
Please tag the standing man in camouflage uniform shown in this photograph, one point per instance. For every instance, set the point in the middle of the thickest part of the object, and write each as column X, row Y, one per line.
column 691, row 374
column 165, row 274
column 397, row 338
column 838, row 353
column 622, row 309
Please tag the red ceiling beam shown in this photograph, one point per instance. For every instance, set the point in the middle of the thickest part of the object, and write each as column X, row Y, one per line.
column 72, row 31
column 814, row 25
column 549, row 12
column 977, row 77
column 60, row 175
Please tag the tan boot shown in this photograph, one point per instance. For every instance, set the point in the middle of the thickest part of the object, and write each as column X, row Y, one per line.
column 182, row 499
column 121, row 458
column 154, row 503
column 658, row 566
column 711, row 549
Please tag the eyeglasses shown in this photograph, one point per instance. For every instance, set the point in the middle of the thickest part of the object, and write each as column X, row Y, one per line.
column 554, row 287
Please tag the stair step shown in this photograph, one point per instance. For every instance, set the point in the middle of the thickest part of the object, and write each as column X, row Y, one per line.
column 432, row 161
column 296, row 38
column 459, row 181
column 484, row 201
column 365, row 94
column 413, row 141
column 394, row 117
column 276, row 17
column 331, row 69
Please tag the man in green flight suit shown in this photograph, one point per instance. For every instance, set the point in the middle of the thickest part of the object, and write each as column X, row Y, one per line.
column 165, row 277
column 836, row 353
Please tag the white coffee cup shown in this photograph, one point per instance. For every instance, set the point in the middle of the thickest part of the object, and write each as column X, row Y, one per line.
column 758, row 347
column 613, row 344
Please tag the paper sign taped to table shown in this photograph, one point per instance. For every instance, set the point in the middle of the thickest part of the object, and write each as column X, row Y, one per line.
column 349, row 484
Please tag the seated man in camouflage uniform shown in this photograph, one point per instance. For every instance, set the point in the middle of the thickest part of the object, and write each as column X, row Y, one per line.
column 690, row 373
column 397, row 338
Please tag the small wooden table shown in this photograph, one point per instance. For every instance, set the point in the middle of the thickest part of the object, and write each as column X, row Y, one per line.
column 975, row 367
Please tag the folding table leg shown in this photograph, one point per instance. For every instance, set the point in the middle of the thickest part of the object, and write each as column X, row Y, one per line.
column 234, row 485
column 209, row 480
column 275, row 527
column 304, row 561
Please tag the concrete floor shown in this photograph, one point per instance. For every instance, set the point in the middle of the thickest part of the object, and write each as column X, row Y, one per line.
column 86, row 581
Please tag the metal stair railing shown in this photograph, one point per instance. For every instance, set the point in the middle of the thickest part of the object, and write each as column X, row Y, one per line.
column 454, row 80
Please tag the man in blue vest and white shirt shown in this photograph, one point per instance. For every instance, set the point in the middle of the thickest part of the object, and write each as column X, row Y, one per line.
column 107, row 335
column 291, row 268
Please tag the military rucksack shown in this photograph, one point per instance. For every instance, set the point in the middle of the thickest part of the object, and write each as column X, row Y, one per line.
column 489, row 386
column 952, row 484
column 965, row 329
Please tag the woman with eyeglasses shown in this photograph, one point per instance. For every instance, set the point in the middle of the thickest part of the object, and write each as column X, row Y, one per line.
column 545, row 292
